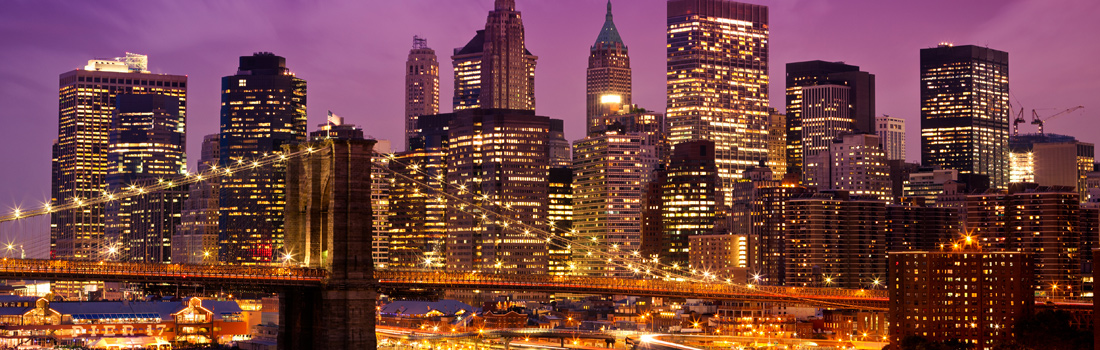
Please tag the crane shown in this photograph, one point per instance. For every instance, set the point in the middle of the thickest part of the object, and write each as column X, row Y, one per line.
column 1016, row 123
column 1035, row 120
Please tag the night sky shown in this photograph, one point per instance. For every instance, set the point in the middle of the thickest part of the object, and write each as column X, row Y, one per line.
column 352, row 53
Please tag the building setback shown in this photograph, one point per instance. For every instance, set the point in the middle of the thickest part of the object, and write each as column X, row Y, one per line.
column 968, row 294
column 495, row 70
column 964, row 110
column 263, row 108
column 717, row 81
column 421, row 85
column 86, row 104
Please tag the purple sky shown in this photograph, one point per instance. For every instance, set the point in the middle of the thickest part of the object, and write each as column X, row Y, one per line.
column 352, row 54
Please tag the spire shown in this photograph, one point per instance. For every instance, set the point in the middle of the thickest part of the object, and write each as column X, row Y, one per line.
column 609, row 34
column 509, row 5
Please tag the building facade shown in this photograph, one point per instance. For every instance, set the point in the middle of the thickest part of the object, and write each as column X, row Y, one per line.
column 969, row 295
column 609, row 76
column 1051, row 160
column 147, row 145
column 964, row 110
column 561, row 210
column 892, row 133
column 690, row 199
column 87, row 99
column 717, row 80
column 860, row 107
column 611, row 172
column 263, row 108
column 421, row 85
column 826, row 114
column 196, row 239
column 853, row 163
column 835, row 240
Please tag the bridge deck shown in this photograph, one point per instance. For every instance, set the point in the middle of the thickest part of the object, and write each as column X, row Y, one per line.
column 32, row 269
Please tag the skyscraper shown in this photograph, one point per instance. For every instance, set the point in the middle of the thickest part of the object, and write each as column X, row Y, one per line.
column 146, row 147
column 717, row 80
column 860, row 101
column 826, row 114
column 854, row 163
column 611, row 172
column 835, row 240
column 421, row 85
column 196, row 239
column 561, row 218
column 86, row 106
column 609, row 76
column 263, row 108
column 892, row 133
column 964, row 110
column 495, row 70
column 690, row 199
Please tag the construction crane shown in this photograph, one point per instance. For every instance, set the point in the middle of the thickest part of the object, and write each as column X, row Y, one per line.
column 1035, row 120
column 1016, row 123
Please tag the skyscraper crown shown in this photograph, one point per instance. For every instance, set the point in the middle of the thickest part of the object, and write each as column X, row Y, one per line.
column 509, row 5
column 609, row 34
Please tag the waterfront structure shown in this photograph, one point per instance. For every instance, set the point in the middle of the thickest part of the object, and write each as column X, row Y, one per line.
column 964, row 110
column 146, row 146
column 611, row 172
column 690, row 199
column 421, row 85
column 853, row 163
column 495, row 70
column 122, row 324
column 263, row 108
column 195, row 241
column 858, row 106
column 835, row 239
column 891, row 131
column 498, row 159
column 1051, row 160
column 967, row 294
column 609, row 76
column 86, row 107
column 560, row 212
column 717, row 81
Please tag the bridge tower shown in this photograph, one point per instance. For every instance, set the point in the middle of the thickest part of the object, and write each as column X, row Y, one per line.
column 328, row 225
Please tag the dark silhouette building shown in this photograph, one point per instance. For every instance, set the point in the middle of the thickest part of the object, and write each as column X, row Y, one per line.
column 263, row 108
column 859, row 100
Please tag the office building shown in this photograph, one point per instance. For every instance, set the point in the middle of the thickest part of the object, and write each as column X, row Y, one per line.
column 335, row 128
column 1051, row 160
column 859, row 106
column 263, row 108
column 495, row 70
column 690, row 199
column 717, row 84
column 633, row 119
column 561, row 155
column 853, row 163
column 611, row 172
column 825, row 116
column 196, row 238
column 561, row 221
column 86, row 104
column 927, row 183
column 835, row 240
column 380, row 183
column 964, row 110
column 498, row 159
column 609, row 76
column 421, row 85
column 777, row 145
column 417, row 220
column 968, row 294
column 146, row 147
column 892, row 133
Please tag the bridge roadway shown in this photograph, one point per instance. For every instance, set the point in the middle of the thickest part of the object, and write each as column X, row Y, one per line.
column 61, row 270
column 827, row 297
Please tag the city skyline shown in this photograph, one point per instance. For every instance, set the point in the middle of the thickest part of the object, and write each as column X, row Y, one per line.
column 208, row 54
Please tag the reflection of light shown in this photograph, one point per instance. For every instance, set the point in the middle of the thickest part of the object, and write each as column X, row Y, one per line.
column 611, row 99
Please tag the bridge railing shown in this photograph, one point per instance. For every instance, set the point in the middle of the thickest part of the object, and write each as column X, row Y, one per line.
column 145, row 271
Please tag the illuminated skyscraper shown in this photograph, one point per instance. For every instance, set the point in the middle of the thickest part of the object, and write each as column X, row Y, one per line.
column 826, row 114
column 417, row 236
column 494, row 69
column 421, row 85
column 964, row 110
column 609, row 76
column 196, row 239
column 263, row 108
column 146, row 147
column 86, row 107
column 853, row 163
column 610, row 174
column 561, row 215
column 690, row 199
column 859, row 109
column 718, row 80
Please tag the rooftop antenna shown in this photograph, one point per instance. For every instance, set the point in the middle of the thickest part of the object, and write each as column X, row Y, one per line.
column 419, row 43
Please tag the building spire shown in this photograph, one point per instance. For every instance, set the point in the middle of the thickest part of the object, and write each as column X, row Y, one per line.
column 609, row 34
column 509, row 5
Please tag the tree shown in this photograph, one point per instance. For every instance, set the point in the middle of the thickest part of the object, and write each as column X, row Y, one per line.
column 1052, row 330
